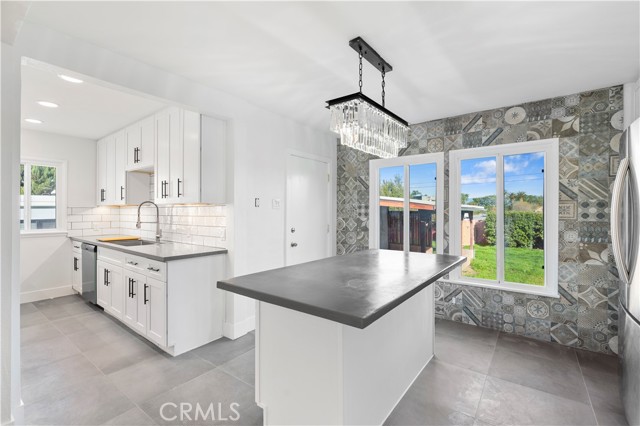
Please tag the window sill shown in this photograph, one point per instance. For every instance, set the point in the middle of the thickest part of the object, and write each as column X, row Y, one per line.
column 38, row 234
column 535, row 291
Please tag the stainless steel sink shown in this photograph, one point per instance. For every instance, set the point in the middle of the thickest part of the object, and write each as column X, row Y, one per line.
column 129, row 243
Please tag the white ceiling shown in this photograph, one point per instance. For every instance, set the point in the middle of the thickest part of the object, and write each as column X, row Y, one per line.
column 87, row 110
column 449, row 58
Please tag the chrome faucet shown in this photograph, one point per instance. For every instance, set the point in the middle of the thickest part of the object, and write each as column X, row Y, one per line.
column 139, row 222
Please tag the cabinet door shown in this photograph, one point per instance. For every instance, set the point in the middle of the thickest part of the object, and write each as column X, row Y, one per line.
column 155, row 298
column 116, row 284
column 146, row 154
column 163, row 125
column 102, row 286
column 111, row 171
column 176, row 156
column 120, row 167
column 134, row 313
column 133, row 136
column 190, row 185
column 102, row 172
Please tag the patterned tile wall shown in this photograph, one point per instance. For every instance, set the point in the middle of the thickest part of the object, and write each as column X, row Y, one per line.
column 589, row 126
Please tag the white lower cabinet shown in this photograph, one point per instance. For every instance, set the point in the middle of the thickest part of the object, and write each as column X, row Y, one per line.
column 174, row 304
column 155, row 302
column 110, row 288
column 76, row 267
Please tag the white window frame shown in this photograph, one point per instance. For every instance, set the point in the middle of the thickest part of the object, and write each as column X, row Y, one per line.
column 61, row 196
column 374, row 196
column 551, row 201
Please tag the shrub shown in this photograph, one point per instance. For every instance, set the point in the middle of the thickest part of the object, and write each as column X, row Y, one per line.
column 521, row 229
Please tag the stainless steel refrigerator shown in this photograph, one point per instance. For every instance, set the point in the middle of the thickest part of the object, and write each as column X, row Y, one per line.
column 625, row 241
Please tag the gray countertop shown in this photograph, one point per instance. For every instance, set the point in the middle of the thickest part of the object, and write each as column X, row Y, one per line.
column 354, row 289
column 163, row 252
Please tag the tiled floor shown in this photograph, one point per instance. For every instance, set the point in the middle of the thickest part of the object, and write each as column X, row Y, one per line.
column 82, row 367
column 483, row 377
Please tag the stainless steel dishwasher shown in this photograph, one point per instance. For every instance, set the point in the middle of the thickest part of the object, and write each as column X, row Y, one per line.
column 89, row 259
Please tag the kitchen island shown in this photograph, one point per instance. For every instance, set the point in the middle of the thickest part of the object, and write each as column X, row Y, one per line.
column 340, row 340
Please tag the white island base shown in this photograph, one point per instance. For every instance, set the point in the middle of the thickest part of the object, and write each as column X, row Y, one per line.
column 310, row 370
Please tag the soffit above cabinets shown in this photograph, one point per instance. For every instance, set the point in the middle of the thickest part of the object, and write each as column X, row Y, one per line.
column 87, row 110
column 449, row 58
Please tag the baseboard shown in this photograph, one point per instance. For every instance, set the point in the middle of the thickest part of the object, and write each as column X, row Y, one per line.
column 239, row 329
column 47, row 293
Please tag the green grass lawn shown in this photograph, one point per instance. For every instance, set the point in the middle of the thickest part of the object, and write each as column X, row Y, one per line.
column 522, row 265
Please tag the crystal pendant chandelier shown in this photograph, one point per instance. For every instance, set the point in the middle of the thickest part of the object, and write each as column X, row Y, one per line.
column 364, row 124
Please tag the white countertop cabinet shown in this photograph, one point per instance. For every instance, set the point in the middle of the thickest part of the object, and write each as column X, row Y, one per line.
column 76, row 267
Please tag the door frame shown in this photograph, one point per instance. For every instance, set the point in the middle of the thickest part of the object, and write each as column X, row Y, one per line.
column 374, row 191
column 331, row 186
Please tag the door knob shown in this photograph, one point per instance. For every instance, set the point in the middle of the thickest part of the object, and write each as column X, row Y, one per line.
column 293, row 230
column 294, row 244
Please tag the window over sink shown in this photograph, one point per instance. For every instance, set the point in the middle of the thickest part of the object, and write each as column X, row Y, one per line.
column 42, row 196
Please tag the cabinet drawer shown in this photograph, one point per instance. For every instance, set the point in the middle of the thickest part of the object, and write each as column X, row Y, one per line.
column 112, row 256
column 76, row 247
column 148, row 267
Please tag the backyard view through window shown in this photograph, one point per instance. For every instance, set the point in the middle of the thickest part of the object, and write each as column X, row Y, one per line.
column 501, row 209
column 407, row 201
column 37, row 196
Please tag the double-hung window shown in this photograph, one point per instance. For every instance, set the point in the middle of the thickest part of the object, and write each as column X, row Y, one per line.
column 503, row 216
column 406, row 203
column 42, row 196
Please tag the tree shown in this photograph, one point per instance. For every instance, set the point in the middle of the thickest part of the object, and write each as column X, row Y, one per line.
column 392, row 188
column 415, row 195
column 488, row 201
column 464, row 198
column 43, row 180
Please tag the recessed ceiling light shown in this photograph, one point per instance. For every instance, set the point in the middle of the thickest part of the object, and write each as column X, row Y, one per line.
column 33, row 121
column 48, row 104
column 69, row 78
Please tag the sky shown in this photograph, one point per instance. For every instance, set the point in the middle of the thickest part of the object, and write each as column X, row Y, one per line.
column 422, row 177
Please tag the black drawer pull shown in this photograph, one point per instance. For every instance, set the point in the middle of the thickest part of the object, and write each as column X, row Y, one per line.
column 145, row 294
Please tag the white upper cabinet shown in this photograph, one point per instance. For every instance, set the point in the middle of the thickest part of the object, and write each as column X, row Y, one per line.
column 190, row 158
column 185, row 151
column 141, row 145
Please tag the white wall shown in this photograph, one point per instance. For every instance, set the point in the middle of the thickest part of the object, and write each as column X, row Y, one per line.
column 80, row 155
column 45, row 259
column 258, row 140
column 631, row 102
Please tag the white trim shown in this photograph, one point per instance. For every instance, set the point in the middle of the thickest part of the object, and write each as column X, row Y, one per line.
column 374, row 195
column 551, row 189
column 47, row 293
column 238, row 329
column 331, row 199
column 61, row 194
column 43, row 233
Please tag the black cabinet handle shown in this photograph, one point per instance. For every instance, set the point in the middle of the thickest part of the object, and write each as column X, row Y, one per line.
column 129, row 287
column 106, row 273
column 136, row 155
column 75, row 263
column 151, row 268
column 102, row 197
column 179, row 194
column 121, row 192
column 145, row 294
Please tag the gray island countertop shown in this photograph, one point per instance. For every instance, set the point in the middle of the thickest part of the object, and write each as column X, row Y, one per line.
column 162, row 252
column 354, row 289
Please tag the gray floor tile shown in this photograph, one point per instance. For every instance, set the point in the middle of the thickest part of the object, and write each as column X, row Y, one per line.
column 27, row 308
column 89, row 339
column 46, row 351
column 224, row 350
column 506, row 403
column 442, row 394
column 57, row 311
column 32, row 318
column 38, row 382
column 595, row 363
column 466, row 331
column 59, row 301
column 243, row 367
column 133, row 417
column 38, row 333
column 158, row 374
column 550, row 351
column 472, row 354
column 601, row 377
column 558, row 377
column 120, row 353
column 217, row 388
column 610, row 418
column 92, row 403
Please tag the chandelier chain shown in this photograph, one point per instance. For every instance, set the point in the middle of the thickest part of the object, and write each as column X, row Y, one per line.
column 383, row 83
column 360, row 71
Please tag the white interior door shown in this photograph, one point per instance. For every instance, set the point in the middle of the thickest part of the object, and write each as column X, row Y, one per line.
column 307, row 215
